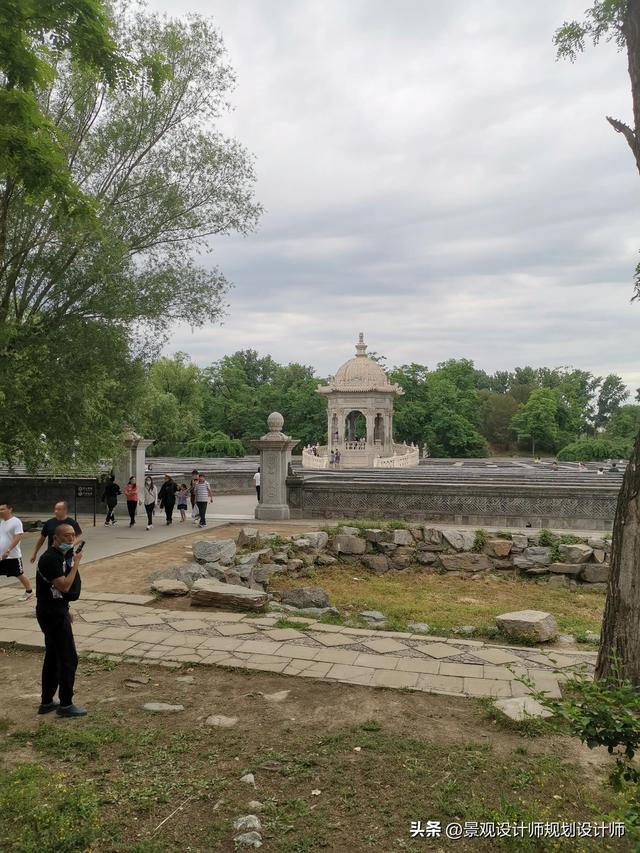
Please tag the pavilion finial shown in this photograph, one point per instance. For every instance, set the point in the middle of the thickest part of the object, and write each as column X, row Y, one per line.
column 361, row 347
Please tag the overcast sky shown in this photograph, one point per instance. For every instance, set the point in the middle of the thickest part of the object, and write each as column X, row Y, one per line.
column 431, row 176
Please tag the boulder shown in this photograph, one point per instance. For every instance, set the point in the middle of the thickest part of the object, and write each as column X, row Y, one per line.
column 598, row 544
column 565, row 569
column 521, row 708
column 281, row 557
column 402, row 537
column 346, row 543
column 499, row 548
column 208, row 592
column 372, row 616
column 214, row 551
column 166, row 586
column 521, row 563
column 419, row 627
column 373, row 534
column 262, row 573
column 575, row 553
column 417, row 533
column 248, row 839
column 402, row 557
column 350, row 531
column 234, row 577
column 303, row 544
column 246, row 823
column 536, row 571
column 502, row 565
column 217, row 571
column 459, row 540
column 529, row 623
column 558, row 580
column 318, row 539
column 377, row 563
column 426, row 558
column 432, row 535
column 595, row 573
column 263, row 554
column 539, row 554
column 294, row 566
column 248, row 537
column 249, row 560
column 387, row 547
column 599, row 556
column 325, row 560
column 435, row 547
column 465, row 562
column 304, row 596
column 519, row 541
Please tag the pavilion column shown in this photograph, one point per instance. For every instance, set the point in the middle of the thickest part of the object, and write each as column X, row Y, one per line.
column 371, row 420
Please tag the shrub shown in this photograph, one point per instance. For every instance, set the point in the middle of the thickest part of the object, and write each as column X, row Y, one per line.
column 546, row 537
column 480, row 540
column 595, row 450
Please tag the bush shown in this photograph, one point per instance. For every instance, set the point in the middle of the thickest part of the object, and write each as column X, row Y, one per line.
column 595, row 450
column 546, row 537
column 213, row 444
column 480, row 540
column 40, row 812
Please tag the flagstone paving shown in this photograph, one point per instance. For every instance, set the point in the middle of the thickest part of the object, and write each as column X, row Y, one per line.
column 126, row 627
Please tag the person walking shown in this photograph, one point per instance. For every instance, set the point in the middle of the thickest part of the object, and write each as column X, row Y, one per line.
column 110, row 498
column 150, row 500
column 56, row 586
column 183, row 495
column 256, row 483
column 204, row 496
column 133, row 499
column 60, row 516
column 167, row 496
column 11, row 532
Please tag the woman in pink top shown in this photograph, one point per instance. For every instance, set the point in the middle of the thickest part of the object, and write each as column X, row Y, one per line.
column 133, row 499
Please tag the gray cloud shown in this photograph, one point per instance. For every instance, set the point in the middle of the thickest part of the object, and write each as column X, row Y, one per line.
column 433, row 177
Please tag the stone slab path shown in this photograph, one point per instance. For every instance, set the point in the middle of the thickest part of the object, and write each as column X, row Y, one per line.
column 125, row 627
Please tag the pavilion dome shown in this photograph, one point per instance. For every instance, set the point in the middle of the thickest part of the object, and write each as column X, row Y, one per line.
column 361, row 373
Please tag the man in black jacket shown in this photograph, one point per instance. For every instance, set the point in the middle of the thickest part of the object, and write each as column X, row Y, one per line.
column 56, row 585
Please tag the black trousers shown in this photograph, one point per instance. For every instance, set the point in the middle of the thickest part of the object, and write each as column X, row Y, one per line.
column 110, row 513
column 131, row 508
column 150, row 508
column 60, row 657
column 258, row 492
column 168, row 510
column 202, row 509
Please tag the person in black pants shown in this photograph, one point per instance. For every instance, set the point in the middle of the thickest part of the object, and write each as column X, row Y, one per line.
column 167, row 496
column 56, row 585
column 110, row 497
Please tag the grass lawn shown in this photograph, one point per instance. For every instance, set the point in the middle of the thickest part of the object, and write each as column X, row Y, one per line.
column 337, row 767
column 445, row 602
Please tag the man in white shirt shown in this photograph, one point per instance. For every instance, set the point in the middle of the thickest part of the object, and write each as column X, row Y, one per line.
column 11, row 533
column 256, row 483
column 203, row 496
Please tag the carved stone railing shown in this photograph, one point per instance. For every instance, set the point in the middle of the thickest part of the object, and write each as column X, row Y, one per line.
column 404, row 456
column 310, row 460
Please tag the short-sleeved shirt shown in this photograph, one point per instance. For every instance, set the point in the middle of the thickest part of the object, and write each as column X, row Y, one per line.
column 201, row 491
column 10, row 528
column 51, row 565
column 49, row 528
column 256, row 478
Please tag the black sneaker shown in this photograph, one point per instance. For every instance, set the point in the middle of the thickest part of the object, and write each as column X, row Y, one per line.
column 71, row 711
column 47, row 707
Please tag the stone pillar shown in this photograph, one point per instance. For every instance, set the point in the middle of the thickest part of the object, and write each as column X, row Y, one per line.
column 370, row 420
column 132, row 463
column 275, row 456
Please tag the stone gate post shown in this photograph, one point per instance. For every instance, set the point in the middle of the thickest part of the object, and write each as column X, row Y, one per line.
column 275, row 455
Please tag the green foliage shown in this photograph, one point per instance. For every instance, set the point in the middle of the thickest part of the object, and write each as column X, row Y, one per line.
column 43, row 812
column 562, row 539
column 213, row 444
column 159, row 180
column 537, row 419
column 504, row 534
column 479, row 540
column 624, row 424
column 546, row 537
column 595, row 450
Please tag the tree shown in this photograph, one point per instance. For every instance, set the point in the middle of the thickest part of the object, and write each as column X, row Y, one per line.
column 624, row 423
column 613, row 393
column 618, row 21
column 160, row 181
column 213, row 444
column 537, row 419
column 496, row 414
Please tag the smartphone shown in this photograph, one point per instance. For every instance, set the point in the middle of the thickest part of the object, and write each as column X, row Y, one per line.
column 80, row 546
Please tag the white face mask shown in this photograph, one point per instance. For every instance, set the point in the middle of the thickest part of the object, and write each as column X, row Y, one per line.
column 65, row 546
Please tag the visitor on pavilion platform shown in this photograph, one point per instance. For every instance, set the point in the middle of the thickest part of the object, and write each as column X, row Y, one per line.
column 337, row 457
column 150, row 500
column 256, row 483
column 133, row 499
column 613, row 468
column 167, row 496
column 332, row 457
column 183, row 496
column 110, row 498
column 600, row 472
column 11, row 533
column 582, row 466
column 204, row 496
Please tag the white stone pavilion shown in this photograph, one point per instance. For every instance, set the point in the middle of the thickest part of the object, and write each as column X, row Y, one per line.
column 360, row 418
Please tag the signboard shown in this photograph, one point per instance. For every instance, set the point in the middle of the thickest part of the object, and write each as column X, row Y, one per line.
column 85, row 491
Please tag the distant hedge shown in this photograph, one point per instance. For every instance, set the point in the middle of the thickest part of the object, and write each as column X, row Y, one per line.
column 595, row 450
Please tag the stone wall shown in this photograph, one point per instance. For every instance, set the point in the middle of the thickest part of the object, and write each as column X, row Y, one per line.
column 38, row 494
column 515, row 505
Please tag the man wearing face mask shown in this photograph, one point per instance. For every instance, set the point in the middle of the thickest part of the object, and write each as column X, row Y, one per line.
column 57, row 584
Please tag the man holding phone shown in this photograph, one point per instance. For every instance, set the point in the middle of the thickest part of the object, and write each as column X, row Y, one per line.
column 60, row 516
column 57, row 584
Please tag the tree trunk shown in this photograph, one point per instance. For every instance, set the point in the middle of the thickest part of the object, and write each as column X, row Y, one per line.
column 620, row 640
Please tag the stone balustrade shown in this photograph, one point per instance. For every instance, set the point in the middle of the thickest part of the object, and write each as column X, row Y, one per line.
column 404, row 456
column 310, row 460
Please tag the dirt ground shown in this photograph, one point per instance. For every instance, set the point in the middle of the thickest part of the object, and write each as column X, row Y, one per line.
column 377, row 758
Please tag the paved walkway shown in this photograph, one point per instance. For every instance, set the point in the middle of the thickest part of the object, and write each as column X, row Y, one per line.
column 125, row 627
